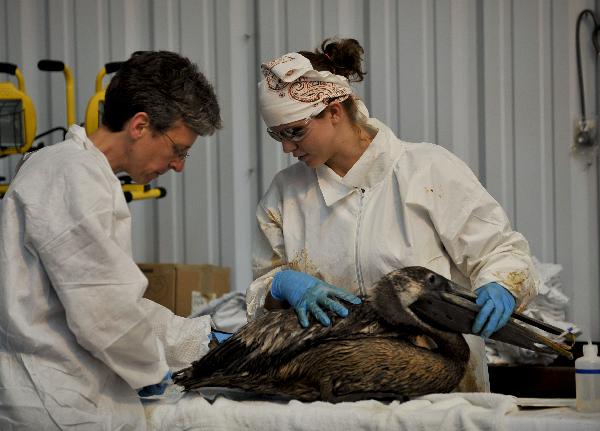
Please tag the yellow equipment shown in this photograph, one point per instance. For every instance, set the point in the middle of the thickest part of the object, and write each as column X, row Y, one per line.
column 59, row 66
column 94, row 110
column 17, row 114
column 3, row 188
column 135, row 192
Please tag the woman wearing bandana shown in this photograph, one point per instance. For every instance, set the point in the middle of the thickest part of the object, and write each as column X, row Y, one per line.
column 361, row 202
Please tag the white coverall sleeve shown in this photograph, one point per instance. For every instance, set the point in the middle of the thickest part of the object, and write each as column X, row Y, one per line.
column 478, row 236
column 96, row 279
column 185, row 339
column 268, row 255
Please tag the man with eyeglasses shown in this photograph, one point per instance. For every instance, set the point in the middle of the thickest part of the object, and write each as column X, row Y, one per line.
column 79, row 345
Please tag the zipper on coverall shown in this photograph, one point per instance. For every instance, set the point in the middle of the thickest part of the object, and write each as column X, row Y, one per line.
column 359, row 276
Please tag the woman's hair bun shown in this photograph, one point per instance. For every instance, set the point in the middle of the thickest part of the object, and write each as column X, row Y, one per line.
column 340, row 56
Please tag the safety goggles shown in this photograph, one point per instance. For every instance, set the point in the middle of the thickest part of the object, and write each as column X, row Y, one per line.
column 294, row 134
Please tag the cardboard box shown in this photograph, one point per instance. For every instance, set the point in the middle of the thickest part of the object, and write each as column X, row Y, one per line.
column 176, row 286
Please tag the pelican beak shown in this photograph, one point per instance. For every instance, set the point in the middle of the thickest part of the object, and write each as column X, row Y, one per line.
column 455, row 309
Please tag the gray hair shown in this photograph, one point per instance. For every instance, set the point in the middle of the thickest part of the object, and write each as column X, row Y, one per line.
column 168, row 87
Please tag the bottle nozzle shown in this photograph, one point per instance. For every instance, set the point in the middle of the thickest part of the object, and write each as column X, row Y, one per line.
column 590, row 349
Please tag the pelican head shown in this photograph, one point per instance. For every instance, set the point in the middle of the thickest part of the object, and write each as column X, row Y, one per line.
column 395, row 292
column 421, row 298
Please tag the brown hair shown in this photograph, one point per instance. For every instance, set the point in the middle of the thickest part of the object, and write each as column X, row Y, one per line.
column 342, row 57
column 339, row 56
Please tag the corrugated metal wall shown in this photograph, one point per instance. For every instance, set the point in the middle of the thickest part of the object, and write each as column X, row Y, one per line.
column 493, row 81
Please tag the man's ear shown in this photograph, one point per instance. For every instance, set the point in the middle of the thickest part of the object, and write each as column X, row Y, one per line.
column 138, row 125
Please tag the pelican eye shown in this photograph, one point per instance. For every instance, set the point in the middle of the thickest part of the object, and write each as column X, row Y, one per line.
column 432, row 279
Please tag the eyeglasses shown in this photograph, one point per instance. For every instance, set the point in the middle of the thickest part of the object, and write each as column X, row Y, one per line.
column 294, row 134
column 180, row 151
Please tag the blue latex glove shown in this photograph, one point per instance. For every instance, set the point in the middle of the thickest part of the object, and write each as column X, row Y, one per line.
column 308, row 294
column 219, row 336
column 497, row 304
column 156, row 389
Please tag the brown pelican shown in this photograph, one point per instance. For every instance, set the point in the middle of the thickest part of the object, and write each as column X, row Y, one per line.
column 404, row 340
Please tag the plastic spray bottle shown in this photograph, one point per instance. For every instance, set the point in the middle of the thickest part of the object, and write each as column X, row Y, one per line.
column 587, row 379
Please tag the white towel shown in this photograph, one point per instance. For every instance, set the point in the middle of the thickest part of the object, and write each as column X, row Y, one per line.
column 228, row 312
column 456, row 411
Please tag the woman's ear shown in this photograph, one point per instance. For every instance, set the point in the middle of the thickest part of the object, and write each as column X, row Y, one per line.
column 335, row 111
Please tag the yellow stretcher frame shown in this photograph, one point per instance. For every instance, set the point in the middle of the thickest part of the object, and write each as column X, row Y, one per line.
column 59, row 66
column 134, row 192
column 93, row 106
column 149, row 193
column 131, row 191
column 9, row 92
column 3, row 189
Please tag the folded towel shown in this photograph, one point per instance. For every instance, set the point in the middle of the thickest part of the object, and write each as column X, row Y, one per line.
column 455, row 411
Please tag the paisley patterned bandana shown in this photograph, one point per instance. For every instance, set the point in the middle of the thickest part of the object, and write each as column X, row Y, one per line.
column 292, row 90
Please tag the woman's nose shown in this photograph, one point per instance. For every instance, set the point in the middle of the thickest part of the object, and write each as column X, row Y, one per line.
column 288, row 146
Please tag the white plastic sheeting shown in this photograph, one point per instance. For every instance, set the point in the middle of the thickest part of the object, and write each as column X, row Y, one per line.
column 494, row 82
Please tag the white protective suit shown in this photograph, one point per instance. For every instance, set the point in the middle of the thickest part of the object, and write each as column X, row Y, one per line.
column 401, row 204
column 76, row 337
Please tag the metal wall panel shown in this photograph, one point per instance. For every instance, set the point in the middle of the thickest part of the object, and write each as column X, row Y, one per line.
column 202, row 229
column 576, row 179
column 498, row 122
column 533, row 146
column 236, row 87
column 494, row 82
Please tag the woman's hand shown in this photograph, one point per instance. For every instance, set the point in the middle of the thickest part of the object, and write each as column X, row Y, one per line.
column 309, row 294
column 497, row 304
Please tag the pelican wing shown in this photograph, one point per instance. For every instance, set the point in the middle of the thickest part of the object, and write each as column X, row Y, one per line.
column 260, row 343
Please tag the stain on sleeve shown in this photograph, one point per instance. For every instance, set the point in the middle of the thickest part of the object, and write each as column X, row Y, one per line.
column 275, row 217
column 520, row 284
